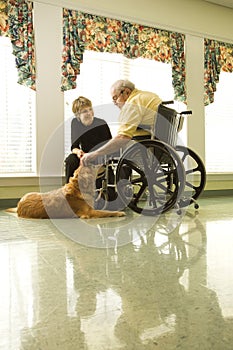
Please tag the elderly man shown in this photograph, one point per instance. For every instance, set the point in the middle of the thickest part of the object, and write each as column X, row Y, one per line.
column 138, row 109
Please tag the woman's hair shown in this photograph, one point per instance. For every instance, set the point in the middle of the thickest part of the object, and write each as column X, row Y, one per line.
column 119, row 84
column 80, row 103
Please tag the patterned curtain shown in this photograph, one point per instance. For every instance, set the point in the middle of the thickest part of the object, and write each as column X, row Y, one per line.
column 16, row 22
column 83, row 31
column 3, row 18
column 218, row 56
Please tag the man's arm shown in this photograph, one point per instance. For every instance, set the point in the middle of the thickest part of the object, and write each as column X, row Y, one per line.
column 110, row 147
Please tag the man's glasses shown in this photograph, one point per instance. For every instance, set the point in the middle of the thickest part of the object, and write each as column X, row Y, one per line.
column 115, row 97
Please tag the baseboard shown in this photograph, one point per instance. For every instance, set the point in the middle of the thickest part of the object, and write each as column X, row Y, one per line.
column 217, row 193
column 8, row 203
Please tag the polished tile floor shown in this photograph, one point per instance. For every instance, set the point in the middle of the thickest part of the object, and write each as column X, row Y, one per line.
column 128, row 283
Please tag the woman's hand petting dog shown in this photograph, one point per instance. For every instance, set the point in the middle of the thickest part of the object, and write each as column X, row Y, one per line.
column 75, row 199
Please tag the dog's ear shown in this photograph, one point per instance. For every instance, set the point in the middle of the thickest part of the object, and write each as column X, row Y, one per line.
column 86, row 180
column 76, row 172
column 83, row 182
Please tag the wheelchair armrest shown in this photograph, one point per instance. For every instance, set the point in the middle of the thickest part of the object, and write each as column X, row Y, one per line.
column 144, row 127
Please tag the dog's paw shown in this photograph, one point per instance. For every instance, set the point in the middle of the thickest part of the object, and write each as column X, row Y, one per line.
column 84, row 216
column 120, row 213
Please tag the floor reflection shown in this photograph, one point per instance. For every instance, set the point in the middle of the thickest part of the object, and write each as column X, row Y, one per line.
column 138, row 283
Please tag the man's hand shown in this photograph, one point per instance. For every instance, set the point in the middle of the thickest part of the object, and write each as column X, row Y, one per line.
column 79, row 153
column 88, row 158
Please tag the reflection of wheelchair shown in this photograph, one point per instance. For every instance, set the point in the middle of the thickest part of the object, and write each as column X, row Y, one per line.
column 153, row 174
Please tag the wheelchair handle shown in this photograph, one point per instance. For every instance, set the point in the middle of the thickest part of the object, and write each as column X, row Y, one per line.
column 186, row 112
column 167, row 102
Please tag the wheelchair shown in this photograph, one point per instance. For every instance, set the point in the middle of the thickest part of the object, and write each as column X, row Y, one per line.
column 153, row 174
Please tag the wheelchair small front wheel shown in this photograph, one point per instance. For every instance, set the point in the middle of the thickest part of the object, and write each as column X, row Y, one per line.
column 101, row 200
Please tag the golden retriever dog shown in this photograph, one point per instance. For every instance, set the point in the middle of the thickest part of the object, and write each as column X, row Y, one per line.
column 75, row 199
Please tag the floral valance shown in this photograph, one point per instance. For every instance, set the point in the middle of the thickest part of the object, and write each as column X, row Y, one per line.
column 82, row 31
column 16, row 22
column 3, row 18
column 218, row 56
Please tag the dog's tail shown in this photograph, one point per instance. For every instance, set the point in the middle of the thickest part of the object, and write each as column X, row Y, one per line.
column 11, row 210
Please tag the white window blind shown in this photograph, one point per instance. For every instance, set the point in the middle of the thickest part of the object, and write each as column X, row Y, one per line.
column 100, row 70
column 17, row 118
column 219, row 126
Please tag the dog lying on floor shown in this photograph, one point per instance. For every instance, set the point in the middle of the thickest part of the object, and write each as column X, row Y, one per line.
column 75, row 199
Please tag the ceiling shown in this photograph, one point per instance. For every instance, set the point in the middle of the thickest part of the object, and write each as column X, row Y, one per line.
column 226, row 3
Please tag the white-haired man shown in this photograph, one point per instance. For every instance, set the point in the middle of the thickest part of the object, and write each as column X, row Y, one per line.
column 137, row 108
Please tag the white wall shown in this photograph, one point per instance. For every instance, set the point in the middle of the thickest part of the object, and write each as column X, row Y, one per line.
column 49, row 98
column 195, row 18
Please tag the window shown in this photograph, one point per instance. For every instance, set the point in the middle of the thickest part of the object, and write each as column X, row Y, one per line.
column 17, row 118
column 219, row 126
column 100, row 70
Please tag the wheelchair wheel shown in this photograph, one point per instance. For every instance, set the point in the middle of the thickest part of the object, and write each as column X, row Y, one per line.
column 156, row 178
column 195, row 176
